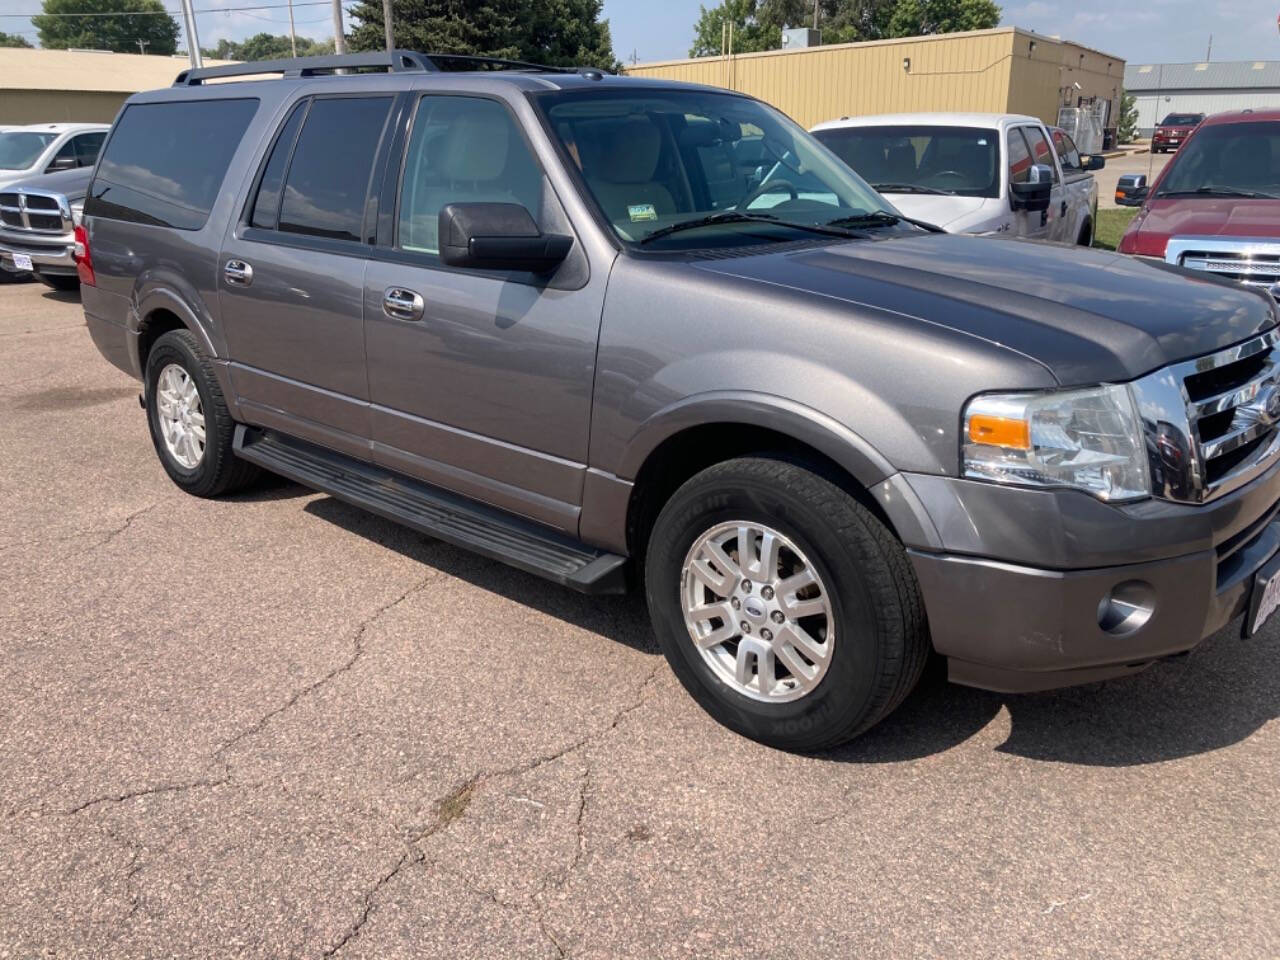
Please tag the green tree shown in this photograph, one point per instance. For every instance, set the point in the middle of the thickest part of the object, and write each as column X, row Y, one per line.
column 913, row 18
column 1127, row 124
column 13, row 40
column 127, row 22
column 554, row 32
column 267, row 46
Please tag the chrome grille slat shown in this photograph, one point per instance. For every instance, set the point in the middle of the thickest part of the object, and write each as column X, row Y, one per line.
column 1254, row 261
column 35, row 213
column 1237, row 438
column 1234, row 398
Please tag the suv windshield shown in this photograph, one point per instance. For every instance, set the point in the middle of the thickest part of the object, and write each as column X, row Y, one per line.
column 20, row 150
column 964, row 161
column 1182, row 119
column 1236, row 159
column 723, row 170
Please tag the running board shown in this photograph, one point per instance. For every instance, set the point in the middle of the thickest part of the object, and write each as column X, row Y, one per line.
column 464, row 523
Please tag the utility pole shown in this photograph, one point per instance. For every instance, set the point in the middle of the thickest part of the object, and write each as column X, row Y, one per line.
column 293, row 37
column 339, row 39
column 142, row 45
column 815, row 14
column 386, row 22
column 1209, row 53
column 193, row 38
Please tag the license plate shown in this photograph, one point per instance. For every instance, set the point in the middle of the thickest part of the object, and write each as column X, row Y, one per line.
column 1266, row 596
column 22, row 261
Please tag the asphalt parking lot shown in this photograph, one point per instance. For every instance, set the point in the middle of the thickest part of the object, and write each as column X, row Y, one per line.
column 1109, row 176
column 273, row 726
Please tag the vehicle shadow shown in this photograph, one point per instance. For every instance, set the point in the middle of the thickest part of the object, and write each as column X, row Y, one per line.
column 1218, row 696
column 61, row 296
column 621, row 619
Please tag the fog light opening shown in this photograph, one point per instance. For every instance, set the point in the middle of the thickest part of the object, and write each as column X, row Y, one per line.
column 1127, row 608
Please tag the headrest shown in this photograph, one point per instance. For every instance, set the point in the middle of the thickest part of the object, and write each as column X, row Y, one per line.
column 476, row 148
column 630, row 153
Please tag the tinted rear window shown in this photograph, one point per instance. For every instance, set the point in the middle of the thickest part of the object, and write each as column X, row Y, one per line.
column 328, row 180
column 164, row 162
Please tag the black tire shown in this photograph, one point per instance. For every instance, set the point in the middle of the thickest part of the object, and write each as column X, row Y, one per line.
column 9, row 276
column 882, row 640
column 219, row 470
column 1086, row 235
column 65, row 284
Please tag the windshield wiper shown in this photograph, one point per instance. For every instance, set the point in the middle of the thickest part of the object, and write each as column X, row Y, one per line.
column 736, row 216
column 910, row 188
column 1218, row 192
column 882, row 218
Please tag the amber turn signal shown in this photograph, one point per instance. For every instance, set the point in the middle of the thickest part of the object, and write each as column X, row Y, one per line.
column 999, row 431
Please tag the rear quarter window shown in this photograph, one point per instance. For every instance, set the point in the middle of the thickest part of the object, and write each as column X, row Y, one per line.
column 164, row 163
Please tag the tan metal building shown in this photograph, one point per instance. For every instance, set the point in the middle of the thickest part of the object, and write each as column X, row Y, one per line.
column 1005, row 70
column 58, row 86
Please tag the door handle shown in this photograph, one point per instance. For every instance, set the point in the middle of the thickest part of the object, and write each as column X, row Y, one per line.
column 401, row 304
column 1064, row 208
column 238, row 272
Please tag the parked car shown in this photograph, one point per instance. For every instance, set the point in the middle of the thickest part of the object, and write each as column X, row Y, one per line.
column 1216, row 205
column 1174, row 130
column 504, row 307
column 974, row 172
column 37, row 226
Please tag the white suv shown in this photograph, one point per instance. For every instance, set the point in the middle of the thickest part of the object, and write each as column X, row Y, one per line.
column 45, row 147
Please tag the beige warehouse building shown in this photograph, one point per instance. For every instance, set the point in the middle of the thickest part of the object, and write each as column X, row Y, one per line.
column 1006, row 70
column 58, row 86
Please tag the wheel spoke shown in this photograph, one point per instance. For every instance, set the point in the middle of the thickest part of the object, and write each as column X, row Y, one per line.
column 768, row 560
column 802, row 671
column 727, row 630
column 798, row 637
column 765, row 670
column 742, row 666
column 796, row 582
column 795, row 609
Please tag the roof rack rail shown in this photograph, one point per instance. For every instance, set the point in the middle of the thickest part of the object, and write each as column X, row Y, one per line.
column 398, row 61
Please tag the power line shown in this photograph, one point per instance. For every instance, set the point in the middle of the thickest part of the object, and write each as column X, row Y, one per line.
column 168, row 13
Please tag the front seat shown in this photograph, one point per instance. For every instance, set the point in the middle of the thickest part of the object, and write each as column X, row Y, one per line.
column 622, row 170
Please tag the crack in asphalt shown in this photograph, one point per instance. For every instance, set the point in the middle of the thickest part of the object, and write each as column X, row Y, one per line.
column 107, row 535
column 145, row 792
column 453, row 805
column 357, row 652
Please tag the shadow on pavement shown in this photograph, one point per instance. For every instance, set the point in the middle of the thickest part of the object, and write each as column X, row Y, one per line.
column 1218, row 696
column 621, row 619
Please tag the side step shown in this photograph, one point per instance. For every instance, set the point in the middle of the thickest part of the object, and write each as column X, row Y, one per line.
column 464, row 523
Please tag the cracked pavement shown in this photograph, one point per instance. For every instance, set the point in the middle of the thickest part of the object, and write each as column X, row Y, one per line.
column 273, row 726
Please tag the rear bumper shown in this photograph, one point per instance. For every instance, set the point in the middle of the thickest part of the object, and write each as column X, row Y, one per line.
column 1032, row 612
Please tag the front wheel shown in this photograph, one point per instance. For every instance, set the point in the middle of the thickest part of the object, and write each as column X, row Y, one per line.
column 784, row 606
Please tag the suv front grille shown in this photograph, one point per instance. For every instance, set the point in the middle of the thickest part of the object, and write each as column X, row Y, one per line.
column 35, row 212
column 1247, row 260
column 1213, row 423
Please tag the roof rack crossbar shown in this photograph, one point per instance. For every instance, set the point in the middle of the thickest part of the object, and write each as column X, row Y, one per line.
column 399, row 61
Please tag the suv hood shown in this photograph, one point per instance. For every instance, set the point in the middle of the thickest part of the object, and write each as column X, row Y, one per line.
column 72, row 184
column 1200, row 217
column 1086, row 315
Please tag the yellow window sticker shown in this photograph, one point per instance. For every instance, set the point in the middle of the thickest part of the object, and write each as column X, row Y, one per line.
column 641, row 211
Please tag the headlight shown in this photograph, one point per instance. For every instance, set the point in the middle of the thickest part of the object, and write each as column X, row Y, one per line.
column 77, row 212
column 1089, row 439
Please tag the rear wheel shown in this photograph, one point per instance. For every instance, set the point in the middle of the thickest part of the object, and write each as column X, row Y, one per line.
column 784, row 606
column 191, row 427
column 1086, row 235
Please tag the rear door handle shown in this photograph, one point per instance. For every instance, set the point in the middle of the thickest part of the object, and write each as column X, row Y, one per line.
column 238, row 272
column 401, row 304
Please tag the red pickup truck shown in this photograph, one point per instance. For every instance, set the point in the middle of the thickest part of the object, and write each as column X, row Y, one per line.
column 1174, row 130
column 1216, row 206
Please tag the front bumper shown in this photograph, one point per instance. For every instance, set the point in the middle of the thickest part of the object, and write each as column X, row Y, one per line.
column 50, row 254
column 1017, row 598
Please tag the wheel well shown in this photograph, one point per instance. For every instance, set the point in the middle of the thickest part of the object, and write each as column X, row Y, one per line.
column 691, row 451
column 1085, row 236
column 156, row 325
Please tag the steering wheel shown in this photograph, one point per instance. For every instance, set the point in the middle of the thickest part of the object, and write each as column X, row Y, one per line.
column 764, row 189
column 956, row 174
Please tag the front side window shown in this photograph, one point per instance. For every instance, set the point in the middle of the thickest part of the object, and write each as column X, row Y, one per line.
column 1227, row 160
column 87, row 146
column 1040, row 149
column 722, row 169
column 20, row 150
column 1019, row 156
column 919, row 158
column 165, row 162
column 462, row 150
column 328, row 179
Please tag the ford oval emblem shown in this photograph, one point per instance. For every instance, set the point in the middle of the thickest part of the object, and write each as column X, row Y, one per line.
column 1270, row 402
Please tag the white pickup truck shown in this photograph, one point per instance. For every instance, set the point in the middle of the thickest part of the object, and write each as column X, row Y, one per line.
column 984, row 173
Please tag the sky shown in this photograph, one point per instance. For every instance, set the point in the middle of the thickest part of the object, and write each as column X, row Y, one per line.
column 1140, row 31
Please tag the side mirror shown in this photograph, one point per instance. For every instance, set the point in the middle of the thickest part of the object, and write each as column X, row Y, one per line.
column 1132, row 190
column 1035, row 194
column 61, row 163
column 498, row 236
column 1092, row 161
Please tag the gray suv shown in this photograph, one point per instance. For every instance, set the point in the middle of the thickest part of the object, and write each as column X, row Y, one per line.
column 619, row 331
